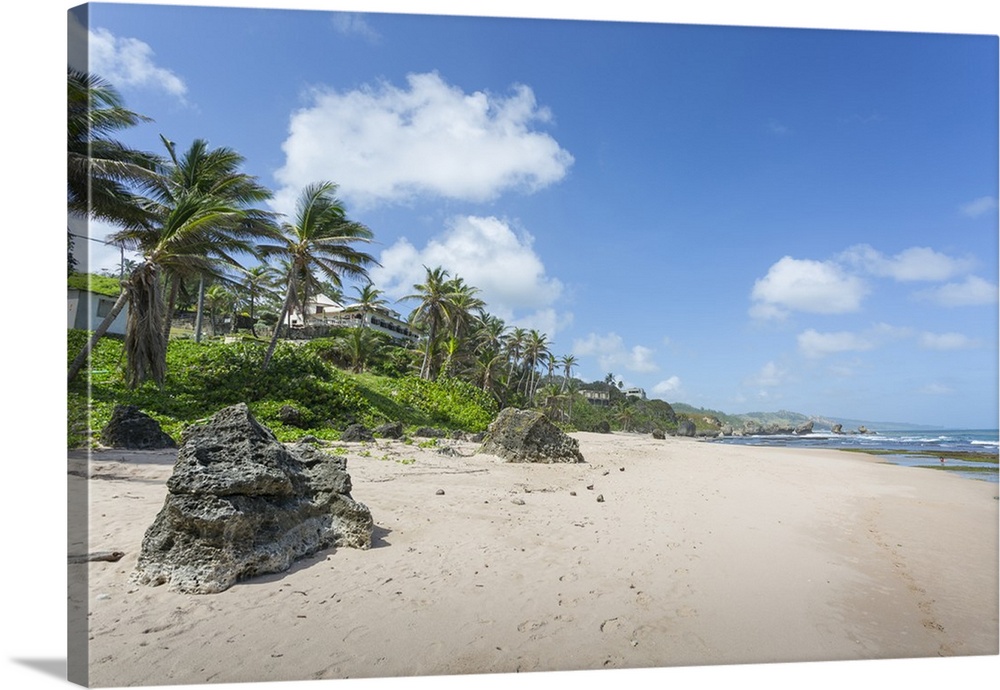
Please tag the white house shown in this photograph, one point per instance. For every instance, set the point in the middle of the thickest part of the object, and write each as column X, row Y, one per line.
column 87, row 310
column 635, row 392
column 323, row 311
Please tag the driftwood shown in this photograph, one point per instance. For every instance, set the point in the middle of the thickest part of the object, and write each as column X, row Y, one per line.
column 111, row 556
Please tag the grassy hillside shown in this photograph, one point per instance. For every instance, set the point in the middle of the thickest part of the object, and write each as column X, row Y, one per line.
column 204, row 377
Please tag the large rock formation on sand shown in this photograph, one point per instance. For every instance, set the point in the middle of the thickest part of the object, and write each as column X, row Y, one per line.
column 130, row 427
column 528, row 436
column 240, row 503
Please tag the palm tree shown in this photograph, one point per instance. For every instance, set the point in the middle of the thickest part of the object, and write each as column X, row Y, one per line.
column 536, row 349
column 432, row 312
column 567, row 362
column 318, row 240
column 369, row 300
column 257, row 281
column 102, row 173
column 219, row 300
column 515, row 344
column 462, row 306
column 187, row 236
column 213, row 174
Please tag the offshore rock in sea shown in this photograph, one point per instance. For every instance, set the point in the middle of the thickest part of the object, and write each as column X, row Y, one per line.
column 240, row 503
column 528, row 436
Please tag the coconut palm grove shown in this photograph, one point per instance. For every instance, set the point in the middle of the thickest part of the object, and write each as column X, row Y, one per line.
column 222, row 308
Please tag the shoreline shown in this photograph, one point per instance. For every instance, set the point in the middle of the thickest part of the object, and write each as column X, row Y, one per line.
column 699, row 554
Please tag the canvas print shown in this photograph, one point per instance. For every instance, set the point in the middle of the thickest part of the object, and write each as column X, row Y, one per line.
column 416, row 345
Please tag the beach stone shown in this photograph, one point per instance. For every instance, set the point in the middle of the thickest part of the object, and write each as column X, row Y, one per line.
column 805, row 428
column 292, row 416
column 686, row 427
column 528, row 436
column 390, row 430
column 356, row 433
column 240, row 503
column 131, row 428
column 659, row 434
column 430, row 432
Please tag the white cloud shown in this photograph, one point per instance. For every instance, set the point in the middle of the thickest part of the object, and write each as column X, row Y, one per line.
column 770, row 375
column 913, row 264
column 947, row 341
column 386, row 143
column 970, row 292
column 354, row 24
column 814, row 344
column 128, row 62
column 612, row 353
column 486, row 253
column 979, row 207
column 670, row 385
column 819, row 287
column 937, row 389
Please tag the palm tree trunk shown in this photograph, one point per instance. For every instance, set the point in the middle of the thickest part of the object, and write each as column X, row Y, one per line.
column 289, row 296
column 175, row 284
column 102, row 328
column 201, row 310
column 425, row 369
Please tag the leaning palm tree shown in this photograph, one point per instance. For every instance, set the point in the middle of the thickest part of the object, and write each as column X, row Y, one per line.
column 186, row 236
column 318, row 240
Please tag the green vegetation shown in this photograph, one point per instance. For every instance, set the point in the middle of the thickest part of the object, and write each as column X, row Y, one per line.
column 202, row 378
column 101, row 285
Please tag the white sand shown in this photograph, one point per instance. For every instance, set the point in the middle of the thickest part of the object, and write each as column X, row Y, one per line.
column 699, row 554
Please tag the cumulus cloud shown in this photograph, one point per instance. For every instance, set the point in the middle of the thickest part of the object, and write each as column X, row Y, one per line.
column 388, row 144
column 818, row 287
column 488, row 254
column 947, row 341
column 670, row 385
column 979, row 207
column 612, row 353
column 128, row 62
column 814, row 344
column 909, row 265
column 970, row 292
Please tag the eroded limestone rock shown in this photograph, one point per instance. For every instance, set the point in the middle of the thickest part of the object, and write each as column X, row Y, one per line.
column 240, row 503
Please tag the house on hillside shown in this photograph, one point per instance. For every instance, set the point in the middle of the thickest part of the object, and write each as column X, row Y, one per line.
column 323, row 311
column 90, row 299
column 595, row 397
column 635, row 392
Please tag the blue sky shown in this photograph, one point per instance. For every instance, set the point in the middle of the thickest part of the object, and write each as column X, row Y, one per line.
column 741, row 218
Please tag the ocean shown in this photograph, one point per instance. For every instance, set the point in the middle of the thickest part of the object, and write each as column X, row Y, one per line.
column 909, row 448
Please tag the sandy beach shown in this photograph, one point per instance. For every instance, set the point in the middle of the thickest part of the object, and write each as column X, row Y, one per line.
column 652, row 553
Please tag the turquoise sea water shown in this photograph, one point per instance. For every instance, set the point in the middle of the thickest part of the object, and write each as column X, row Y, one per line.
column 910, row 448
